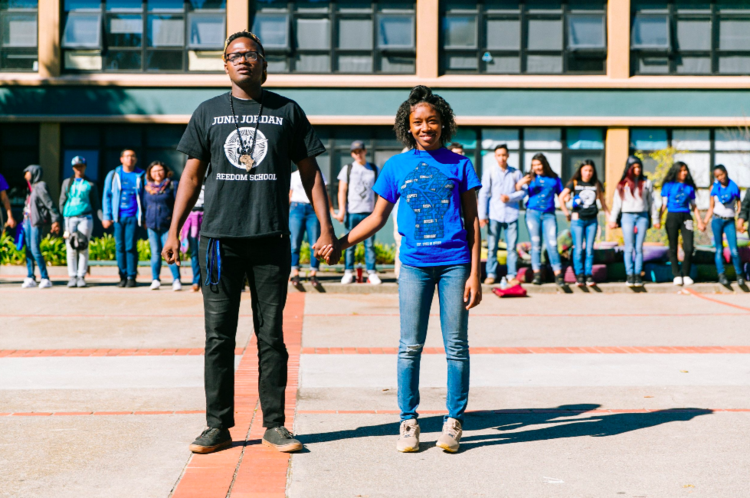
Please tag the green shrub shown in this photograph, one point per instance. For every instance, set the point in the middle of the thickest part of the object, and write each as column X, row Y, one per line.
column 385, row 254
column 54, row 250
column 102, row 248
column 8, row 253
column 144, row 250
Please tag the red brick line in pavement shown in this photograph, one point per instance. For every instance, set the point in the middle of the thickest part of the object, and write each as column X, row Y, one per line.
column 523, row 411
column 249, row 469
column 555, row 350
column 532, row 315
column 26, row 353
column 57, row 316
column 78, row 414
column 718, row 301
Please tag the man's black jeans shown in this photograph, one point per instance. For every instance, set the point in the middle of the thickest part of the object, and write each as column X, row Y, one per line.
column 266, row 262
column 680, row 223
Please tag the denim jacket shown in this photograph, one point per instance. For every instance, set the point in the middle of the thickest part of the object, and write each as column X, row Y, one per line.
column 112, row 190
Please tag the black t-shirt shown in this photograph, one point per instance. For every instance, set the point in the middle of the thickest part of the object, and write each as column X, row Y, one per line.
column 237, row 203
column 586, row 192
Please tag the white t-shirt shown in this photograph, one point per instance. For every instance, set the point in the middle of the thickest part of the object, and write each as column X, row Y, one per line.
column 724, row 210
column 298, row 191
column 360, row 198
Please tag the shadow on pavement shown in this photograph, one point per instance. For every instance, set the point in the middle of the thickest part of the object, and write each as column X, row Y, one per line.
column 507, row 423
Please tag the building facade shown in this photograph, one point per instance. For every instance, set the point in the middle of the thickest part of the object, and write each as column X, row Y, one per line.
column 574, row 79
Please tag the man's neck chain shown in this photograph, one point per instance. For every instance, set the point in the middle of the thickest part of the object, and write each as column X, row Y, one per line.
column 246, row 155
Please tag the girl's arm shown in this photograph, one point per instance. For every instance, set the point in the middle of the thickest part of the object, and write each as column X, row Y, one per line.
column 710, row 211
column 523, row 182
column 370, row 225
column 565, row 195
column 473, row 287
column 698, row 218
column 603, row 200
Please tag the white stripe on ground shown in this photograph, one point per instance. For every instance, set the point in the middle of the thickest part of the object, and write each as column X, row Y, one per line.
column 102, row 372
column 535, row 370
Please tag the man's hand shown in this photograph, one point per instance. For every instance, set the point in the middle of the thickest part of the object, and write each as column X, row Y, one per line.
column 504, row 198
column 55, row 228
column 472, row 292
column 106, row 223
column 11, row 223
column 171, row 251
column 741, row 225
column 331, row 254
column 483, row 223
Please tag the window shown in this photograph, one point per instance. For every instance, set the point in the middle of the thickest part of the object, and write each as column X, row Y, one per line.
column 18, row 35
column 345, row 37
column 101, row 146
column 144, row 35
column 690, row 37
column 380, row 142
column 19, row 147
column 530, row 37
column 700, row 149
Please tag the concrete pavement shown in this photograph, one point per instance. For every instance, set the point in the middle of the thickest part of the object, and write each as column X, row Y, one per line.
column 101, row 392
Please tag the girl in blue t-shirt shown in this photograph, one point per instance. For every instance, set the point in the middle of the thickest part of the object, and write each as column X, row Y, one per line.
column 440, row 245
column 724, row 204
column 678, row 194
column 542, row 185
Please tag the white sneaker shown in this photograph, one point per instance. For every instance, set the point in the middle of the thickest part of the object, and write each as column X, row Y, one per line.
column 45, row 283
column 451, row 436
column 348, row 277
column 28, row 283
column 155, row 284
column 373, row 279
column 176, row 285
column 678, row 281
column 687, row 281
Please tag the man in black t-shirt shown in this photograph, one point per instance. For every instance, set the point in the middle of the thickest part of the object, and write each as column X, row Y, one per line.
column 244, row 143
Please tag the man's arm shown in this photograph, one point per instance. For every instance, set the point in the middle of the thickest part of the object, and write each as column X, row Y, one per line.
column 343, row 191
column 10, row 222
column 485, row 193
column 745, row 209
column 107, row 201
column 46, row 199
column 188, row 191
column 315, row 187
column 64, row 194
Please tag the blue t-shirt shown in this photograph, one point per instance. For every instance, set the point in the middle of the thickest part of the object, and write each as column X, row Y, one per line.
column 128, row 194
column 679, row 196
column 542, row 190
column 727, row 194
column 429, row 217
column 3, row 184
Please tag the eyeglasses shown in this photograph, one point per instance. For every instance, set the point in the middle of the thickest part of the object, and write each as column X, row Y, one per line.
column 237, row 57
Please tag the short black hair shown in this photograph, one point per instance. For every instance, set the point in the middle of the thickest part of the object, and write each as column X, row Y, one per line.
column 423, row 95
column 502, row 146
column 123, row 151
column 455, row 145
column 244, row 34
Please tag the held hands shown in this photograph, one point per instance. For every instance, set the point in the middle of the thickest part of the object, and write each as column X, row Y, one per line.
column 657, row 226
column 472, row 292
column 483, row 223
column 171, row 251
column 55, row 228
column 613, row 225
column 328, row 248
column 741, row 225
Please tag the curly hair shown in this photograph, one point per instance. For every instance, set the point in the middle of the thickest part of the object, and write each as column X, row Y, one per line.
column 423, row 95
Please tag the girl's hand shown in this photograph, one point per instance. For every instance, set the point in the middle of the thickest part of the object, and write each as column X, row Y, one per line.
column 657, row 226
column 612, row 225
column 525, row 180
column 701, row 226
column 472, row 292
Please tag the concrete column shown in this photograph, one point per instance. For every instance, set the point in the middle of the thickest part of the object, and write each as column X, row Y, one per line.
column 428, row 38
column 238, row 15
column 618, row 39
column 616, row 153
column 49, row 38
column 50, row 157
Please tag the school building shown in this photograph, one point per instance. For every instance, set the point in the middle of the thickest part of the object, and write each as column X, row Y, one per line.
column 574, row 79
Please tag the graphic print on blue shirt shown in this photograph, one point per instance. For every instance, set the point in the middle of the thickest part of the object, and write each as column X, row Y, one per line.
column 725, row 194
column 128, row 193
column 679, row 195
column 427, row 192
column 429, row 215
column 542, row 190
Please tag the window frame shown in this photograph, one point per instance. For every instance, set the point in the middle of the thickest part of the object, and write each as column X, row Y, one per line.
column 673, row 53
column 144, row 50
column 372, row 12
column 20, row 52
column 523, row 14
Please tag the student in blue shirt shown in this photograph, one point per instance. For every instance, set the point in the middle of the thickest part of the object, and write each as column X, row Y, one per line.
column 437, row 218
column 542, row 184
column 678, row 193
column 723, row 205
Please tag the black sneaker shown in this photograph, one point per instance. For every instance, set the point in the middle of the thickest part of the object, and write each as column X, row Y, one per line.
column 638, row 281
column 740, row 281
column 537, row 278
column 559, row 280
column 281, row 439
column 630, row 282
column 122, row 283
column 590, row 281
column 723, row 280
column 580, row 280
column 212, row 439
column 130, row 283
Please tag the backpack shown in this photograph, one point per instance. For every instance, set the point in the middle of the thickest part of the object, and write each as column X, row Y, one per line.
column 349, row 177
